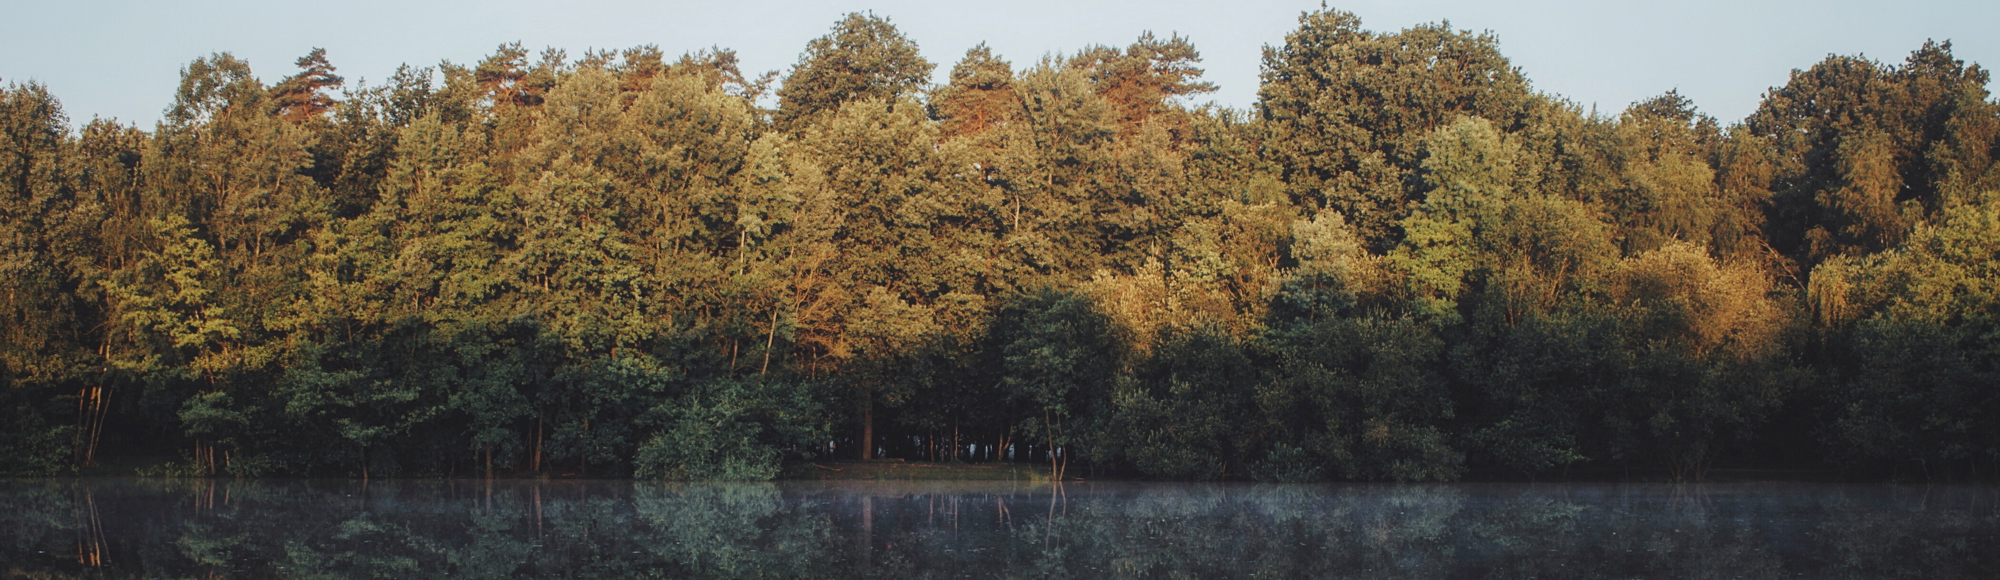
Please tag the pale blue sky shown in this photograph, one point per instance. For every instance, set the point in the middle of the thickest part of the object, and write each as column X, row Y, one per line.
column 122, row 59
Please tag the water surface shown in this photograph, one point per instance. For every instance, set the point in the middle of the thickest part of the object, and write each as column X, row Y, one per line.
column 123, row 528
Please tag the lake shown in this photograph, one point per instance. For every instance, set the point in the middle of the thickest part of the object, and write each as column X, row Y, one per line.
column 127, row 528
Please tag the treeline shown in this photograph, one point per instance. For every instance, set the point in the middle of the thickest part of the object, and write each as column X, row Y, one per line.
column 1403, row 264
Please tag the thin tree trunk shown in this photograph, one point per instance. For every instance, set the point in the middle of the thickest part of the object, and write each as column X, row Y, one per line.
column 1055, row 472
column 91, row 407
column 769, row 339
column 97, row 430
column 83, row 414
column 535, row 461
column 867, row 426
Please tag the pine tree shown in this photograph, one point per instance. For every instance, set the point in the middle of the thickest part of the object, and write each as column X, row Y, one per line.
column 302, row 96
column 980, row 95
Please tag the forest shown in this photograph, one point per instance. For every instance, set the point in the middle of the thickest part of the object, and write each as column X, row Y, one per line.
column 1403, row 263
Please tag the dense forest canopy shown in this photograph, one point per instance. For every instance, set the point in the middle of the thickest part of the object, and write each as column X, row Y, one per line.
column 1404, row 263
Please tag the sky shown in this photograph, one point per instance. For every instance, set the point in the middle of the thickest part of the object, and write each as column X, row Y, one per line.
column 122, row 59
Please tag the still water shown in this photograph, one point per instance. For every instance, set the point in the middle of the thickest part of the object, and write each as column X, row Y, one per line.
column 122, row 528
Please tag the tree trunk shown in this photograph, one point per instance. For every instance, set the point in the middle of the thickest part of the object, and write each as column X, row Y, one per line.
column 1055, row 471
column 97, row 431
column 769, row 339
column 867, row 425
column 91, row 406
column 535, row 461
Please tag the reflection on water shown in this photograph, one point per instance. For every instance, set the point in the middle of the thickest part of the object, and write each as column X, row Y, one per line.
column 472, row 529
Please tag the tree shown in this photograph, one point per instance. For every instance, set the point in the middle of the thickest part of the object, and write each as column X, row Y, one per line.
column 1670, row 192
column 1913, row 329
column 889, row 196
column 1707, row 340
column 1348, row 110
column 1509, row 268
column 1853, row 139
column 1140, row 80
column 235, row 168
column 863, row 57
column 1184, row 413
column 1058, row 356
column 300, row 97
column 1354, row 391
column 1053, row 177
column 980, row 95
column 47, row 241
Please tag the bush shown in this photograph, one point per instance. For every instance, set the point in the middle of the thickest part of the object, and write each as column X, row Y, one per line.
column 728, row 430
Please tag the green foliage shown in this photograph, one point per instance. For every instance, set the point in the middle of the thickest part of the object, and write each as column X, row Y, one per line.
column 1540, row 386
column 1671, row 191
column 29, row 445
column 1918, row 323
column 1058, row 357
column 1348, row 110
column 1182, row 414
column 864, row 57
column 729, row 431
column 1360, row 396
column 47, row 222
column 1866, row 150
column 1353, row 389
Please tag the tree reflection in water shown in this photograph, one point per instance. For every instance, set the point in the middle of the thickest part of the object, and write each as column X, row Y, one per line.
column 476, row 529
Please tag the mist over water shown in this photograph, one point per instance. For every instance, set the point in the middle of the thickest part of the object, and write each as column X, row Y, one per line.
column 247, row 529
